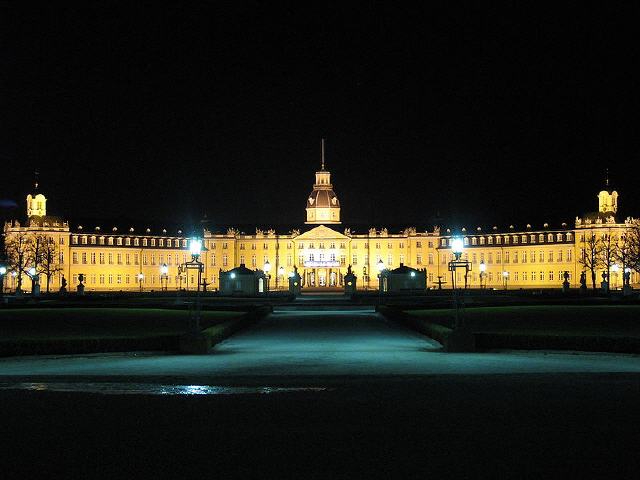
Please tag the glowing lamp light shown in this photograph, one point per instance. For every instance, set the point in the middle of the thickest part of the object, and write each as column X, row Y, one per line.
column 281, row 270
column 457, row 246
column 195, row 247
column 3, row 270
column 505, row 274
column 267, row 267
column 413, row 274
column 233, row 275
column 483, row 267
column 615, row 268
column 291, row 274
column 32, row 271
column 164, row 269
column 140, row 277
column 380, row 266
column 627, row 270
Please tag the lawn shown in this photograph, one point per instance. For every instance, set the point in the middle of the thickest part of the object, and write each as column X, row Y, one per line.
column 100, row 323
column 609, row 320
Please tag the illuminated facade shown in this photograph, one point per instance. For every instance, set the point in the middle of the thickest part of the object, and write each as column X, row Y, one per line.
column 131, row 259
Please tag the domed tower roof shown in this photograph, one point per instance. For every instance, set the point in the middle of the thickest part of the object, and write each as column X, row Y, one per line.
column 322, row 203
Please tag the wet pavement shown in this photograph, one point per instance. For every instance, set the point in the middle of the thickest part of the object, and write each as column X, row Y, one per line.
column 290, row 344
column 315, row 395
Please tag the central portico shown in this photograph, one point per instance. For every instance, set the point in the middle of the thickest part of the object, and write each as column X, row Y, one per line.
column 322, row 257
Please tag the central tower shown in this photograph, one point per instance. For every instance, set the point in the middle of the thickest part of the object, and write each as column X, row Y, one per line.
column 323, row 206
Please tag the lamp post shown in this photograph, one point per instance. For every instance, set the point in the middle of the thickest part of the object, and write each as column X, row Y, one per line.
column 35, row 284
column 483, row 275
column 615, row 269
column 267, row 268
column 3, row 272
column 140, row 279
column 195, row 248
column 505, row 277
column 164, row 276
column 380, row 268
column 456, row 248
column 281, row 275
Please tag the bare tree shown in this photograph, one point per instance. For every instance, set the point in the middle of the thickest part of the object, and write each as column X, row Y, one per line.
column 47, row 257
column 18, row 251
column 591, row 253
column 607, row 254
column 632, row 239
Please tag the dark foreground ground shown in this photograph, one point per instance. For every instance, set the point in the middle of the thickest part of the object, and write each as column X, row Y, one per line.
column 452, row 426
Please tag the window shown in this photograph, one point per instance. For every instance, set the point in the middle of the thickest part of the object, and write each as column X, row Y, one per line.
column 242, row 260
column 93, row 258
column 61, row 240
column 84, row 258
column 506, row 240
column 127, row 241
column 481, row 240
column 490, row 258
column 541, row 238
column 74, row 258
column 474, row 241
column 498, row 240
column 110, row 258
column 225, row 260
column 153, row 242
column 419, row 259
column 402, row 258
column 560, row 256
column 550, row 237
column 569, row 237
column 224, row 245
column 524, row 239
column 515, row 257
column 354, row 260
column 213, row 259
column 430, row 244
column 265, row 246
column 465, row 240
column 128, row 259
column 550, row 257
column 144, row 242
column 93, row 240
column 161, row 242
column 389, row 259
column 568, row 255
column 241, row 247
column 418, row 244
column 490, row 240
column 110, row 240
column 136, row 242
column 540, row 257
column 119, row 241
column 110, row 278
column 343, row 260
column 289, row 260
column 254, row 261
column 430, row 259
column 119, row 257
column 300, row 259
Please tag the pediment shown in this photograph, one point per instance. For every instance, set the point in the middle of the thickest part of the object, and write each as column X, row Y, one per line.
column 321, row 232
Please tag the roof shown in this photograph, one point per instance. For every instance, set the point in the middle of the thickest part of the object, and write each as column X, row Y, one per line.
column 322, row 199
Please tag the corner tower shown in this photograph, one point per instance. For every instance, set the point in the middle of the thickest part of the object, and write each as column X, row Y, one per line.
column 323, row 206
column 36, row 203
column 608, row 199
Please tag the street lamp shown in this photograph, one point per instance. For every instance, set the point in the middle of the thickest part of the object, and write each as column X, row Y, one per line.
column 457, row 245
column 483, row 275
column 164, row 275
column 281, row 275
column 615, row 268
column 140, row 279
column 3, row 272
column 267, row 268
column 380, row 268
column 505, row 276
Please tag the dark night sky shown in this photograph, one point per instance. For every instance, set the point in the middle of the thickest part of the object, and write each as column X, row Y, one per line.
column 484, row 115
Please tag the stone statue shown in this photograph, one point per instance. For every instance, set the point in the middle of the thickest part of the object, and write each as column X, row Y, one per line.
column 565, row 284
column 626, row 276
column 63, row 285
column 80, row 284
column 583, row 282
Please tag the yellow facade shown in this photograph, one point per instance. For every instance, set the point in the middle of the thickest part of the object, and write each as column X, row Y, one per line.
column 131, row 260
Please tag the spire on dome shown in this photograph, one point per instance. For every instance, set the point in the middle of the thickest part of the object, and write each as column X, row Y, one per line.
column 36, row 173
column 322, row 154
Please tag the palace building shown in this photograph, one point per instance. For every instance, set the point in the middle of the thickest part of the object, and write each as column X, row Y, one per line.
column 127, row 258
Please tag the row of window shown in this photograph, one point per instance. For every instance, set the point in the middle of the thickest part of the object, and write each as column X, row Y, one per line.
column 507, row 239
column 127, row 279
column 500, row 279
column 126, row 241
column 525, row 256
